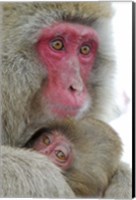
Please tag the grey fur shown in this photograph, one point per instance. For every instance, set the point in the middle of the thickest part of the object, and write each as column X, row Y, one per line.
column 22, row 76
column 29, row 174
column 121, row 184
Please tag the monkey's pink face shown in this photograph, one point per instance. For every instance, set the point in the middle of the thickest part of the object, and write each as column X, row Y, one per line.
column 68, row 53
column 57, row 147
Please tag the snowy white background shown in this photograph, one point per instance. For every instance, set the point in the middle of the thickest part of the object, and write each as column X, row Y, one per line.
column 122, row 24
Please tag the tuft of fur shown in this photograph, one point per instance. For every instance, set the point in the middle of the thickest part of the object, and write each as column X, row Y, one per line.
column 123, row 177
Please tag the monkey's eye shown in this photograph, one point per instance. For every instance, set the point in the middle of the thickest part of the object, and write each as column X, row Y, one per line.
column 85, row 50
column 60, row 155
column 57, row 44
column 46, row 140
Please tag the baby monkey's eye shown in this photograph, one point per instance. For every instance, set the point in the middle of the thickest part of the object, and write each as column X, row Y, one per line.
column 46, row 140
column 85, row 49
column 57, row 44
column 60, row 155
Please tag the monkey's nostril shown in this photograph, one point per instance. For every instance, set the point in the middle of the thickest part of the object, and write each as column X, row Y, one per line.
column 72, row 89
column 76, row 88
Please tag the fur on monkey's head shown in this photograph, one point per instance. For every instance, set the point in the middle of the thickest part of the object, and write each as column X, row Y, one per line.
column 39, row 15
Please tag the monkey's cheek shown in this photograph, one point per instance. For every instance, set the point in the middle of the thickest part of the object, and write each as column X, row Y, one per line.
column 84, row 108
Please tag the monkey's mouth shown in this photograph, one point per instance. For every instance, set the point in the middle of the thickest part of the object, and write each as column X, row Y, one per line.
column 65, row 111
column 70, row 111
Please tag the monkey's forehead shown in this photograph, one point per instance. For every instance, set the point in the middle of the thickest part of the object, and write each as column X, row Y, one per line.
column 67, row 10
column 38, row 15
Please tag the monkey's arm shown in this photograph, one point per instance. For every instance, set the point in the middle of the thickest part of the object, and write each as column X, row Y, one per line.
column 29, row 174
column 121, row 184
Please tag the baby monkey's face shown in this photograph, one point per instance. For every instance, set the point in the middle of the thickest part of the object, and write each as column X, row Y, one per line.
column 57, row 147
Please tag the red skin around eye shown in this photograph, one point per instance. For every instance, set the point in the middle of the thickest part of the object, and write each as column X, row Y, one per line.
column 68, row 69
column 58, row 142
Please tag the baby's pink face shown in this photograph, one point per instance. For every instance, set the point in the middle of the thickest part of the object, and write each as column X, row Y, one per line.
column 57, row 147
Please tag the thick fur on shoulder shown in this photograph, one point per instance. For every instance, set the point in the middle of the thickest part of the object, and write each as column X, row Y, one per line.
column 120, row 186
column 29, row 174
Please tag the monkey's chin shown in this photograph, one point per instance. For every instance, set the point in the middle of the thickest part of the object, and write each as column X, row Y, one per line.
column 69, row 111
column 64, row 111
